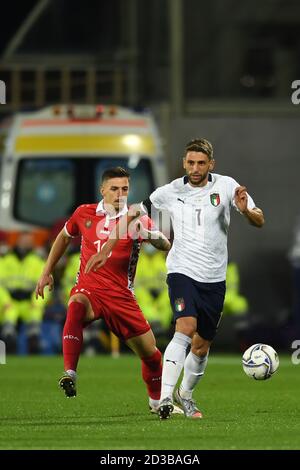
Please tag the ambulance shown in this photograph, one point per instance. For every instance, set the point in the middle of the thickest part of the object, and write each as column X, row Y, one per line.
column 51, row 160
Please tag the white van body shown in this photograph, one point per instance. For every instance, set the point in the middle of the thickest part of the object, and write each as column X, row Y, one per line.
column 53, row 159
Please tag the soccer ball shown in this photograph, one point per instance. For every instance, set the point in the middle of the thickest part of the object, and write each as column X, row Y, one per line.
column 260, row 361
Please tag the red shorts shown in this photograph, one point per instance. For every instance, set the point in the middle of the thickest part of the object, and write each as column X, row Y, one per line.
column 120, row 311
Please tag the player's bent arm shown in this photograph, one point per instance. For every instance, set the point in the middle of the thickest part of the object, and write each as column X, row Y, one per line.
column 159, row 241
column 255, row 216
column 58, row 248
column 121, row 228
column 153, row 236
column 99, row 259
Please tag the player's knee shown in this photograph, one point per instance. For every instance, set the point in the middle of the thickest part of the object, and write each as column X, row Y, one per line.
column 83, row 304
column 186, row 326
column 201, row 350
column 200, row 346
column 77, row 310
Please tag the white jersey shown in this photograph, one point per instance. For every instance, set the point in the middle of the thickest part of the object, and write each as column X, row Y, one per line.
column 200, row 218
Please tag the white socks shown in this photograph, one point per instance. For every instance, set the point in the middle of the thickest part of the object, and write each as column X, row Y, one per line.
column 72, row 373
column 153, row 403
column 174, row 358
column 194, row 368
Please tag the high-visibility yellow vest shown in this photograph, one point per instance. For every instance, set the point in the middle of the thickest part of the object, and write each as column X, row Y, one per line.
column 16, row 273
column 234, row 303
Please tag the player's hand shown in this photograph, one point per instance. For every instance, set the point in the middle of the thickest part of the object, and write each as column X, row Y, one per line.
column 241, row 198
column 45, row 280
column 141, row 230
column 95, row 262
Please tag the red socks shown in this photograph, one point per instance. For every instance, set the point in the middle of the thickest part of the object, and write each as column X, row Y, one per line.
column 151, row 372
column 72, row 335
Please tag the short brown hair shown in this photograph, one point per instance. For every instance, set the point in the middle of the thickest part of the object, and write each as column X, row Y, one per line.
column 116, row 172
column 200, row 145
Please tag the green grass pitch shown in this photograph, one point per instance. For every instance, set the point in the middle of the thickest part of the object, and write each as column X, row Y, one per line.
column 111, row 409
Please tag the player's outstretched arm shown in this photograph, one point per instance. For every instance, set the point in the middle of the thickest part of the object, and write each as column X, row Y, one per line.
column 58, row 248
column 255, row 216
column 155, row 237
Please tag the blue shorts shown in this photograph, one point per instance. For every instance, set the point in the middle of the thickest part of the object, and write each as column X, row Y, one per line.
column 202, row 300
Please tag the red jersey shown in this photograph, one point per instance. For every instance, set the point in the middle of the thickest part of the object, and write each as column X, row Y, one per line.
column 94, row 225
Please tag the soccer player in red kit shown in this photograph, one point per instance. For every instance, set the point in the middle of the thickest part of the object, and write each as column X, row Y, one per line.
column 108, row 292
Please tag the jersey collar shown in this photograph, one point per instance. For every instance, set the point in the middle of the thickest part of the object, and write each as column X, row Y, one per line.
column 100, row 209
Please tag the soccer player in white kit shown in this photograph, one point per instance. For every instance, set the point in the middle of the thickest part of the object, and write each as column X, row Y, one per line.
column 199, row 205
